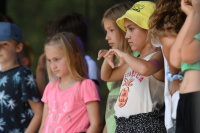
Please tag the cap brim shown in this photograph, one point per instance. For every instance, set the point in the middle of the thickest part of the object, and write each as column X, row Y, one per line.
column 5, row 38
column 133, row 16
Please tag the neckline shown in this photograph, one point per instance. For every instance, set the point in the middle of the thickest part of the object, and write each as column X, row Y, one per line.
column 10, row 69
column 57, row 85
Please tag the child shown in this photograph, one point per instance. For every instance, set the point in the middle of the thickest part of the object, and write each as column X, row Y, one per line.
column 21, row 108
column 71, row 101
column 165, row 24
column 188, row 41
column 115, row 38
column 26, row 55
column 192, row 36
column 41, row 73
column 141, row 93
column 75, row 23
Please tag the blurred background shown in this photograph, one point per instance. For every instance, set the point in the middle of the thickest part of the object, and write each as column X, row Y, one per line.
column 32, row 16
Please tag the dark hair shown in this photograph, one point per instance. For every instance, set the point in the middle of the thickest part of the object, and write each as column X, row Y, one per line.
column 167, row 19
column 72, row 22
column 3, row 18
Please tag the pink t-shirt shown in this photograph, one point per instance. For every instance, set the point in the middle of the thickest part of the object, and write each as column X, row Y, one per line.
column 67, row 109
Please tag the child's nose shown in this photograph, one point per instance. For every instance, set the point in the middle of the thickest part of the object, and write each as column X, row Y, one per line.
column 53, row 65
column 127, row 35
column 107, row 37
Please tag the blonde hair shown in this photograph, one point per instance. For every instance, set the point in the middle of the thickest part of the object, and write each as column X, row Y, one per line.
column 113, row 14
column 167, row 19
column 74, row 54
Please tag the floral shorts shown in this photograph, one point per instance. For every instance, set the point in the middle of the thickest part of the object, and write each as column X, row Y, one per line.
column 141, row 123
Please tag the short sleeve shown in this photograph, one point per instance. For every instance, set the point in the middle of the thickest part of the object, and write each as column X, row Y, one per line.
column 46, row 92
column 29, row 86
column 89, row 91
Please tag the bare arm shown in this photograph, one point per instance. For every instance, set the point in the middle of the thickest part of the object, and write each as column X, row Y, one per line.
column 167, row 43
column 191, row 46
column 105, row 129
column 191, row 53
column 93, row 109
column 44, row 116
column 193, row 19
column 40, row 74
column 36, row 120
column 182, row 37
column 145, row 68
column 139, row 65
column 175, row 52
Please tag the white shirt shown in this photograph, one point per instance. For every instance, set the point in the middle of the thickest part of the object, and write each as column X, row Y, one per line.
column 93, row 70
column 139, row 94
column 171, row 102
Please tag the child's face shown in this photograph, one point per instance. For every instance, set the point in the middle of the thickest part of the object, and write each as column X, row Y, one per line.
column 113, row 35
column 8, row 51
column 57, row 60
column 135, row 35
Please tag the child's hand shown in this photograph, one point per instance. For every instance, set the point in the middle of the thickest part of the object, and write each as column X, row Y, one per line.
column 116, row 52
column 42, row 62
column 109, row 58
column 186, row 6
column 196, row 5
column 101, row 53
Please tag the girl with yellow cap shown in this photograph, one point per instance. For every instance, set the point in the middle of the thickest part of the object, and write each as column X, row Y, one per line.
column 141, row 94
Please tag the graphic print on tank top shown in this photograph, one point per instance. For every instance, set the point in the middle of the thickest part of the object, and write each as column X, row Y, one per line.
column 123, row 96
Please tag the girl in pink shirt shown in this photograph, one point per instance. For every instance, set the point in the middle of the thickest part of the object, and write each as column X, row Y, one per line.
column 71, row 100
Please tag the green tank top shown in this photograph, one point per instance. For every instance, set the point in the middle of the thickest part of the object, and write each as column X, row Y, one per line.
column 195, row 66
column 197, row 36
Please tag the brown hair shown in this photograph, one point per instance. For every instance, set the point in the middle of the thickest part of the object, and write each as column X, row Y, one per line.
column 69, row 22
column 167, row 18
column 3, row 18
column 113, row 14
column 72, row 46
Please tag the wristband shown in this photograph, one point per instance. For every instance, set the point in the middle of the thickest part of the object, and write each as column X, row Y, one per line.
column 172, row 77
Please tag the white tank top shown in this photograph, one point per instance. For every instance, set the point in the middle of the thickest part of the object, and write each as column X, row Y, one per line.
column 139, row 94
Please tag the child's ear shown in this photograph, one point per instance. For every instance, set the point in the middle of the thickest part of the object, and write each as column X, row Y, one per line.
column 19, row 47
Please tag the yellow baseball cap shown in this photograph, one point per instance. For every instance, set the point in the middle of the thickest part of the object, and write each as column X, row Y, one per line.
column 139, row 13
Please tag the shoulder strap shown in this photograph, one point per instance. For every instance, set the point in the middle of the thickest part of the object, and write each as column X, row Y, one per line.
column 150, row 55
